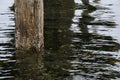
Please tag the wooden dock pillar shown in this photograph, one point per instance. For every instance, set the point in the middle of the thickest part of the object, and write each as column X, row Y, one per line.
column 29, row 24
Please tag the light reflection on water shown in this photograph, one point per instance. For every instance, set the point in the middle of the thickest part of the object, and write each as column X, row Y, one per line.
column 97, row 59
column 95, row 62
column 80, row 44
column 7, row 48
column 90, row 42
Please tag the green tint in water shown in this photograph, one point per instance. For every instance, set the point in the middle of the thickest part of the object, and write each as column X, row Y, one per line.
column 74, row 50
column 76, row 45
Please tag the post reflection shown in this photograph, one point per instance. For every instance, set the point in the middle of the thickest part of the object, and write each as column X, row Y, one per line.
column 51, row 65
column 74, row 48
column 30, row 65
column 86, row 2
column 94, row 54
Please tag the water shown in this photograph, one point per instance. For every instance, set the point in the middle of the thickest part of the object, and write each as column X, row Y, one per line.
column 7, row 48
column 80, row 44
column 83, row 44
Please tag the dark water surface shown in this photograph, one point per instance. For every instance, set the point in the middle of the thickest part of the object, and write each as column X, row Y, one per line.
column 80, row 43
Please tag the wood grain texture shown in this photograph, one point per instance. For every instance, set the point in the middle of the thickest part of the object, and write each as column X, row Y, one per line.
column 29, row 24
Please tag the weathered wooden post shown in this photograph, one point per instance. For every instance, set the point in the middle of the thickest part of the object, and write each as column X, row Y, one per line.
column 29, row 24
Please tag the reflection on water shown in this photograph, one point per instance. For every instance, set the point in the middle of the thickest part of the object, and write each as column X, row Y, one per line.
column 82, row 43
column 7, row 48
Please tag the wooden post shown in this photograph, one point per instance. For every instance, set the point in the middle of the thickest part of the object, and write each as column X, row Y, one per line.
column 29, row 24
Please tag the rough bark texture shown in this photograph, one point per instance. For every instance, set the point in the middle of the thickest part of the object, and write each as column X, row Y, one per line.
column 29, row 24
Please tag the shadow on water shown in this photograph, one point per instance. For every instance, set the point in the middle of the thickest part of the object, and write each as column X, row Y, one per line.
column 30, row 66
column 76, row 44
